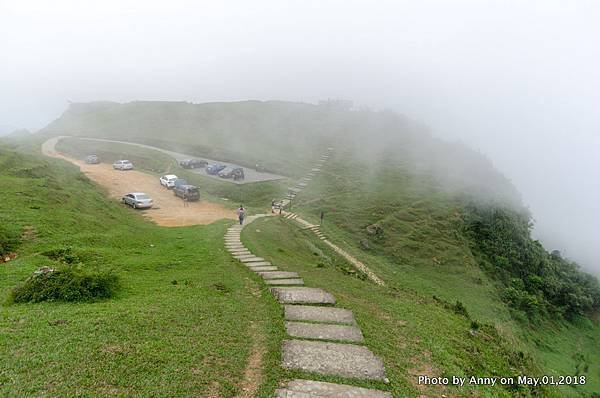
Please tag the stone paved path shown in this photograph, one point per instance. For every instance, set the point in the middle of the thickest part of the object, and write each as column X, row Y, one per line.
column 324, row 339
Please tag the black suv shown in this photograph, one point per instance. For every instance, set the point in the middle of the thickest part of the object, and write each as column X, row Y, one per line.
column 193, row 163
column 189, row 193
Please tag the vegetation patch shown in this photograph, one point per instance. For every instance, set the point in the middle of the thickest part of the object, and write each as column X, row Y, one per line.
column 9, row 241
column 69, row 283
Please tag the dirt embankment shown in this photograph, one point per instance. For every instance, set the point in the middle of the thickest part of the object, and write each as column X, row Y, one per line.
column 168, row 210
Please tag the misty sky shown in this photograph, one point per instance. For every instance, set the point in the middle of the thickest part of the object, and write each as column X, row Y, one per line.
column 516, row 80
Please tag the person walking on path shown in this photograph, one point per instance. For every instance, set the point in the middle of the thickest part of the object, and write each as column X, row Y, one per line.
column 273, row 206
column 241, row 212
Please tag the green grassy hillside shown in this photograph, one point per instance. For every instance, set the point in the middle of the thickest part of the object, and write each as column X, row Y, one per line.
column 183, row 323
column 468, row 291
column 416, row 235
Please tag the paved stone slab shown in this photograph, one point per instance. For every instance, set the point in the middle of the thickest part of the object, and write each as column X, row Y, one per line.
column 258, row 264
column 302, row 295
column 241, row 253
column 233, row 241
column 251, row 259
column 314, row 389
column 345, row 360
column 261, row 269
column 235, row 247
column 245, row 256
column 279, row 275
column 321, row 331
column 293, row 281
column 318, row 314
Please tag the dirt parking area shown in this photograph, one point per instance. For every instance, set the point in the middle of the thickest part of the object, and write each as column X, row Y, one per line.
column 168, row 210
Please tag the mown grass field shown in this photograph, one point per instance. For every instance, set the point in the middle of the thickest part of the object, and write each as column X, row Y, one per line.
column 184, row 322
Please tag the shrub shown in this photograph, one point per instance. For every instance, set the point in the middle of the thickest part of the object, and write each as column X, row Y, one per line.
column 66, row 284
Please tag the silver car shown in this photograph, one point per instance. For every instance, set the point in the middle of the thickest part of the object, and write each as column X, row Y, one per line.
column 137, row 200
column 122, row 165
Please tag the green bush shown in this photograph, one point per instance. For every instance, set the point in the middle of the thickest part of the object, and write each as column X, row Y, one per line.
column 538, row 284
column 66, row 284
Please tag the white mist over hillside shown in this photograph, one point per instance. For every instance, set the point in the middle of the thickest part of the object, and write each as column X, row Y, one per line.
column 518, row 81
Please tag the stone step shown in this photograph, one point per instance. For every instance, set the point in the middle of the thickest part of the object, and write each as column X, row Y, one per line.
column 244, row 256
column 240, row 253
column 318, row 314
column 302, row 295
column 313, row 389
column 234, row 247
column 337, row 359
column 294, row 281
column 321, row 331
column 251, row 259
column 279, row 275
column 258, row 264
column 262, row 269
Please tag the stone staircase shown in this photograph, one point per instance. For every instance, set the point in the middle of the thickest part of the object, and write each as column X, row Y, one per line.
column 323, row 339
column 303, row 182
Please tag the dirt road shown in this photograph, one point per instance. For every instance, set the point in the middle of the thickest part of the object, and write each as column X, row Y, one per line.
column 168, row 210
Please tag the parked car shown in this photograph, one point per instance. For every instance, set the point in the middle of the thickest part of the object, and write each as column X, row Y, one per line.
column 122, row 165
column 214, row 168
column 193, row 163
column 179, row 181
column 187, row 192
column 226, row 172
column 237, row 173
column 260, row 168
column 168, row 180
column 92, row 159
column 137, row 200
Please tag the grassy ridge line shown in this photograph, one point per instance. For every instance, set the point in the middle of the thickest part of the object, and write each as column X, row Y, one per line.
column 179, row 326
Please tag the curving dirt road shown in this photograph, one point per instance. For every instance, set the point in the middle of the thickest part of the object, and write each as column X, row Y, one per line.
column 168, row 210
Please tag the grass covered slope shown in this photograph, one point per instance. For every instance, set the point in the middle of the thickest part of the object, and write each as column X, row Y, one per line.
column 180, row 325
column 418, row 234
column 412, row 332
column 234, row 132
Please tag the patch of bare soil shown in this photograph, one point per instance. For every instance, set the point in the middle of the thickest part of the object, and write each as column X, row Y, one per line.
column 168, row 210
column 253, row 373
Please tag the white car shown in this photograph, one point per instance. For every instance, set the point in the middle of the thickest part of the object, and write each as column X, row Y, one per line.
column 122, row 165
column 168, row 180
column 137, row 200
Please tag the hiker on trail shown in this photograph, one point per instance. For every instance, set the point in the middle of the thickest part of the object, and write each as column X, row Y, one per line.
column 273, row 206
column 241, row 212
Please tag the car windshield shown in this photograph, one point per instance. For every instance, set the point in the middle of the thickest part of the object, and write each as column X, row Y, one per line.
column 193, row 190
column 142, row 197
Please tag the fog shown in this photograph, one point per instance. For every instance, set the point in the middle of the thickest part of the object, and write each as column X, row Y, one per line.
column 517, row 81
